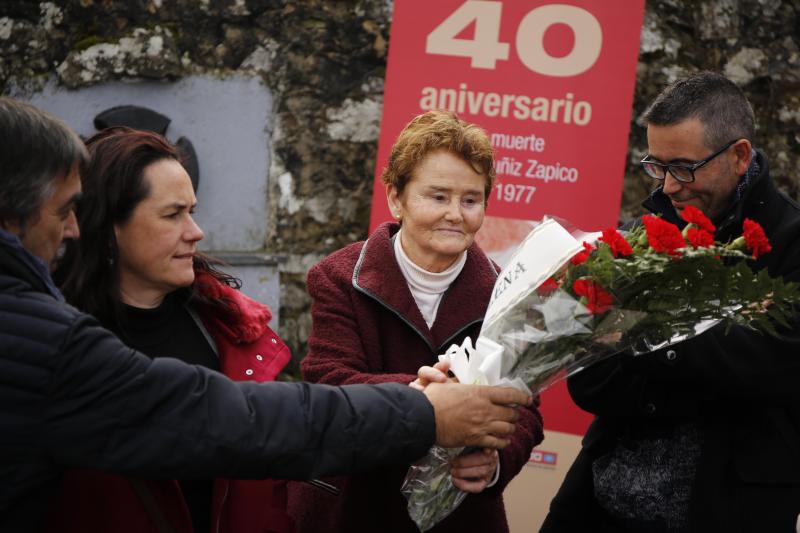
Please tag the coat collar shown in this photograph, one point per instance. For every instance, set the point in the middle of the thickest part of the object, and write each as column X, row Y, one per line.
column 377, row 275
column 18, row 262
column 244, row 320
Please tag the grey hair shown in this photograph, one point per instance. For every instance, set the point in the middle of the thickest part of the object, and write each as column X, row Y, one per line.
column 717, row 102
column 35, row 149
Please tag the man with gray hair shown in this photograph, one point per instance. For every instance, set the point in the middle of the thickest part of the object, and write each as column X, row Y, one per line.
column 73, row 396
column 703, row 435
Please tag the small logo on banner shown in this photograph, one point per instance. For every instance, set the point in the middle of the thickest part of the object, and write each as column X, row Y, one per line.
column 543, row 458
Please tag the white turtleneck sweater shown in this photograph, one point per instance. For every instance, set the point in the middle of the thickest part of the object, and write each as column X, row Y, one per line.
column 427, row 288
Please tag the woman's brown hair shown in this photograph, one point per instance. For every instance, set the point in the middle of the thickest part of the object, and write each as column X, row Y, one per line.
column 439, row 130
column 113, row 185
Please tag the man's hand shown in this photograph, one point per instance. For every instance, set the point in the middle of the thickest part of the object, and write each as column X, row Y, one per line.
column 473, row 472
column 474, row 415
column 432, row 374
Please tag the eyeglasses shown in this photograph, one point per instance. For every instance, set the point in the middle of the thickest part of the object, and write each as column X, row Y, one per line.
column 682, row 173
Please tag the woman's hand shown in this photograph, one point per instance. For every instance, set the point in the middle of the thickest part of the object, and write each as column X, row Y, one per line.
column 432, row 374
column 475, row 471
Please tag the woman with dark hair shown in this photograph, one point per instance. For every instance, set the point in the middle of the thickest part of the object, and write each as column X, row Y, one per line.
column 137, row 269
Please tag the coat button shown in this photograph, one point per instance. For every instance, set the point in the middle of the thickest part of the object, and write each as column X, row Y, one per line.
column 249, row 371
column 274, row 340
column 650, row 408
column 259, row 357
column 672, row 355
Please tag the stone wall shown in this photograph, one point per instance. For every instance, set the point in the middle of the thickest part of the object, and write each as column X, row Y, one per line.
column 325, row 61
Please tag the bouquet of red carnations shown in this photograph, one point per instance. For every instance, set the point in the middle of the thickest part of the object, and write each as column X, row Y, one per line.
column 561, row 305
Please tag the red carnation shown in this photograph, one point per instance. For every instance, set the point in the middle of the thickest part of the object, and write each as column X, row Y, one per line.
column 663, row 236
column 581, row 257
column 755, row 238
column 699, row 238
column 614, row 239
column 549, row 285
column 598, row 300
column 692, row 215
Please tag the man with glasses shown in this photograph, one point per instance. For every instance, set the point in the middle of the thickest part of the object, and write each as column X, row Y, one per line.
column 703, row 435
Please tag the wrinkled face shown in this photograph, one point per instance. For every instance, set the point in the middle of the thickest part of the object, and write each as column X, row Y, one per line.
column 441, row 209
column 55, row 222
column 715, row 182
column 157, row 243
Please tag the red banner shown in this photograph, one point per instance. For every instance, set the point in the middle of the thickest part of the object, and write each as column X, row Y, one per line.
column 551, row 83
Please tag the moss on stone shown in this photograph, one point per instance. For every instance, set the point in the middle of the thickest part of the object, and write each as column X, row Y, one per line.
column 89, row 41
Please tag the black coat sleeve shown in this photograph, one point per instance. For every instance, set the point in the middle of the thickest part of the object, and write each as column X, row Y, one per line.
column 112, row 408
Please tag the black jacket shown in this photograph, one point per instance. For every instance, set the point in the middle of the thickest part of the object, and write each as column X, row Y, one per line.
column 72, row 395
column 743, row 388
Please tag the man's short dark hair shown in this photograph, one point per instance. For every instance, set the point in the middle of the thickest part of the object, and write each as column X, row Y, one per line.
column 35, row 149
column 717, row 102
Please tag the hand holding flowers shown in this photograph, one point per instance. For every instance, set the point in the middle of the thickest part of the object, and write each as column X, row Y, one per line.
column 473, row 472
column 432, row 374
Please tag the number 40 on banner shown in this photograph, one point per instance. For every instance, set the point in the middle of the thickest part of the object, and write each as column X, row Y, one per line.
column 485, row 49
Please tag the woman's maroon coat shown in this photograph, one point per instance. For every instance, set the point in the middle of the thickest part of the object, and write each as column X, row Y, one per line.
column 367, row 328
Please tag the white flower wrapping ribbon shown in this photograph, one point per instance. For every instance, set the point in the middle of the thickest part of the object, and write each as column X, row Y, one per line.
column 480, row 365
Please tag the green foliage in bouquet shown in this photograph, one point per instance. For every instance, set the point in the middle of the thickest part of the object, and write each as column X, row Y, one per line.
column 636, row 292
column 639, row 291
column 430, row 488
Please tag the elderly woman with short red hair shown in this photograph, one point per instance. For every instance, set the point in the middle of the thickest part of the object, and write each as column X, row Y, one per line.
column 386, row 307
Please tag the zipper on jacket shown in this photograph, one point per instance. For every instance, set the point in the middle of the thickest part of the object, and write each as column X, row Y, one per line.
column 356, row 270
column 413, row 327
column 396, row 313
column 206, row 335
column 327, row 487
column 222, row 504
